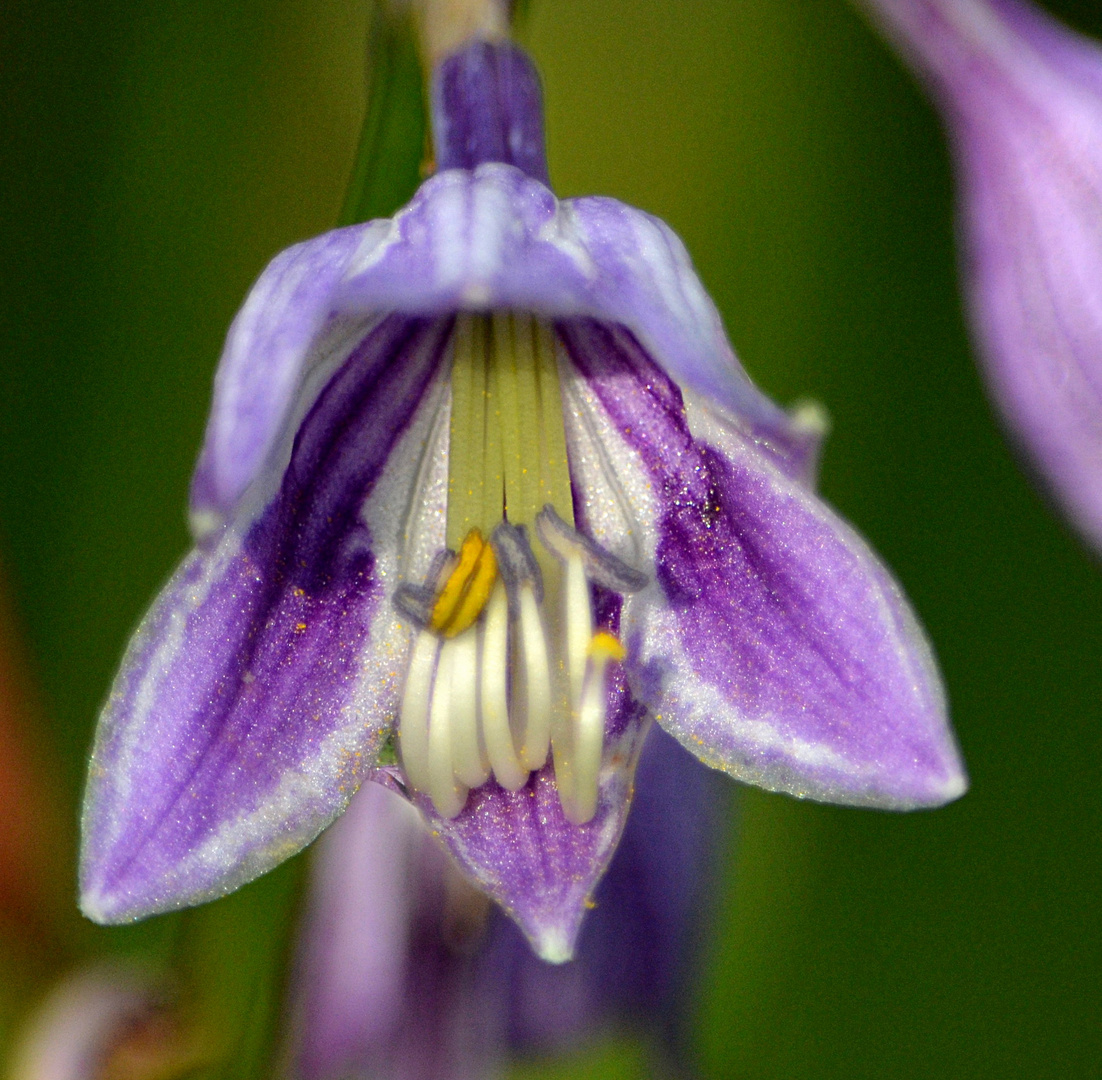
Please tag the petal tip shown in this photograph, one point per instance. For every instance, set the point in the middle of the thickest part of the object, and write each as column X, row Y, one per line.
column 925, row 791
column 104, row 909
column 554, row 944
column 553, row 930
column 950, row 788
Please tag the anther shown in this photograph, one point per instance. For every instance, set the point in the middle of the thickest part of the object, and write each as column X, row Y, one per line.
column 601, row 566
column 467, row 589
column 605, row 647
column 416, row 602
column 516, row 562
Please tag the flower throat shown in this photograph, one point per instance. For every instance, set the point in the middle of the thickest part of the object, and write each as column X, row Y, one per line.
column 507, row 664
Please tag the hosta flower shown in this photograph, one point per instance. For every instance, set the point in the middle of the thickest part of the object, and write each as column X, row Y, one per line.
column 1022, row 99
column 483, row 493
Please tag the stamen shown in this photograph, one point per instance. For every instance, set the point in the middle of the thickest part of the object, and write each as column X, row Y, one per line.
column 497, row 673
column 520, row 572
column 516, row 562
column 466, row 591
column 415, row 602
column 605, row 647
column 413, row 726
column 495, row 694
column 537, row 683
column 471, row 764
column 601, row 566
column 447, row 796
column 589, row 728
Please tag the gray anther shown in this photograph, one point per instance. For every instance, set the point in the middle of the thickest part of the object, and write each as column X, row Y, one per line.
column 601, row 566
column 516, row 562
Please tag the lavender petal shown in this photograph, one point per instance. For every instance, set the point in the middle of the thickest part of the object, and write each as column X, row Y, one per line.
column 267, row 350
column 257, row 691
column 518, row 847
column 773, row 644
column 495, row 239
column 639, row 947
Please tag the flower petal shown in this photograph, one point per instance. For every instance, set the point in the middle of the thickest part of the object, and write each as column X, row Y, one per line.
column 494, row 238
column 1022, row 97
column 772, row 643
column 518, row 847
column 262, row 364
column 258, row 689
column 639, row 945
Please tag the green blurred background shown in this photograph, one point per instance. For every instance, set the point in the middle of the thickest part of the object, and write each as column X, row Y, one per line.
column 153, row 157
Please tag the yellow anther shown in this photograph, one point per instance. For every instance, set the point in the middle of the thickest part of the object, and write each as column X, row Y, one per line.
column 603, row 646
column 468, row 587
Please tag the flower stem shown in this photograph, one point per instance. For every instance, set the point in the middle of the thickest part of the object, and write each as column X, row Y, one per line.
column 387, row 167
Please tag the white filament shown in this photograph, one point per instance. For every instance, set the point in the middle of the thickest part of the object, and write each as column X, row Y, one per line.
column 471, row 764
column 495, row 693
column 537, row 682
column 589, row 740
column 446, row 795
column 413, row 729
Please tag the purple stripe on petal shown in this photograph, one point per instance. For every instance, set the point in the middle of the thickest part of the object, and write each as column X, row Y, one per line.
column 254, row 696
column 638, row 950
column 398, row 979
column 773, row 643
column 519, row 848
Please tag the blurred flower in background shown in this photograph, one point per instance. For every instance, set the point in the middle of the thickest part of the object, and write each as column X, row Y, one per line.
column 407, row 971
column 1022, row 98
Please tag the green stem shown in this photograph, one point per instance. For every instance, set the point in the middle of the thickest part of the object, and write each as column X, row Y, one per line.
column 387, row 168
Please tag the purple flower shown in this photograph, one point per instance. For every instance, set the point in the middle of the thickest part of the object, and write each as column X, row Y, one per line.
column 1022, row 99
column 485, row 488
